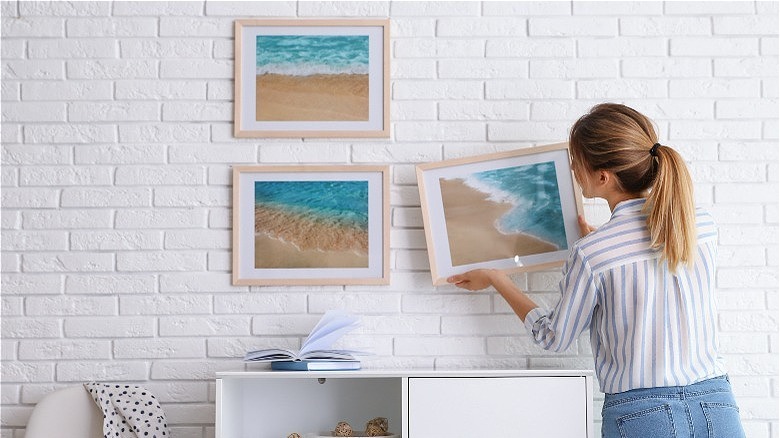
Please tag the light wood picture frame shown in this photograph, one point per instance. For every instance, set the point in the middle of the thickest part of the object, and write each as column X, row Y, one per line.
column 514, row 211
column 312, row 78
column 311, row 225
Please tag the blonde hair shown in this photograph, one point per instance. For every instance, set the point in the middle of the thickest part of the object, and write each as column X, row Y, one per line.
column 619, row 139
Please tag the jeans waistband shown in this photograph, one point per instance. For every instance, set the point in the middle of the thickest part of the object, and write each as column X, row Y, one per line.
column 714, row 384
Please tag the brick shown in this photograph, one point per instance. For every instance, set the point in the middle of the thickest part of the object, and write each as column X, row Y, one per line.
column 743, row 277
column 382, row 153
column 96, row 371
column 668, row 68
column 434, row 9
column 160, row 218
column 160, row 90
column 300, row 152
column 112, row 69
column 338, row 9
column 573, row 69
column 530, row 89
column 200, row 326
column 197, row 112
column 746, row 193
column 69, row 133
column 488, row 68
column 484, row 26
column 163, row 133
column 665, row 26
column 196, row 69
column 106, row 197
column 192, row 197
column 156, row 8
column 159, row 348
column 624, row 47
column 165, row 305
column 64, row 349
column 21, row 328
column 67, row 262
column 66, row 219
column 434, row 48
column 64, row 176
column 196, row 26
column 115, row 240
column 572, row 26
column 745, row 25
column 32, row 27
column 23, row 284
column 72, row 49
column 33, row 112
column 111, row 27
column 417, row 131
column 504, row 9
column 438, row 346
column 121, row 154
column 34, row 241
column 199, row 239
column 260, row 303
column 625, row 88
column 70, row 306
column 110, row 284
column 38, row 70
column 160, row 261
column 249, row 9
column 617, row 8
column 713, row 46
column 114, row 112
column 68, row 90
column 443, row 89
column 157, row 175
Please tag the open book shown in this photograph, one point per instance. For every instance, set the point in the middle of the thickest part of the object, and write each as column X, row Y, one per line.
column 317, row 346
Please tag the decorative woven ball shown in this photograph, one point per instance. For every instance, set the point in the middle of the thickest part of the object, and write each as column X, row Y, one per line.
column 374, row 430
column 343, row 429
column 378, row 422
column 294, row 435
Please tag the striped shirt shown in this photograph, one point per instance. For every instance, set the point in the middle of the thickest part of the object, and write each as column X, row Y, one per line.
column 649, row 327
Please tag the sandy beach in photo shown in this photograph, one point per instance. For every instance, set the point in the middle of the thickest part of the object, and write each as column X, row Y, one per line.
column 287, row 240
column 471, row 217
column 316, row 97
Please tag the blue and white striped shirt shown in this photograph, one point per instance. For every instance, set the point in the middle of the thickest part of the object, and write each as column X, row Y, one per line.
column 649, row 327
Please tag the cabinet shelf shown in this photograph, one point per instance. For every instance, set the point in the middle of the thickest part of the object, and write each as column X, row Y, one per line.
column 417, row 404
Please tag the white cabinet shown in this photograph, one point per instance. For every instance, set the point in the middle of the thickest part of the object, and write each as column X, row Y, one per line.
column 418, row 404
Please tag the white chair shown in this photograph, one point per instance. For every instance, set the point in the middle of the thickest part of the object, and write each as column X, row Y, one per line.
column 66, row 413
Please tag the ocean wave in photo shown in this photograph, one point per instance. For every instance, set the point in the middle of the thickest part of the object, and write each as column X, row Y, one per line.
column 305, row 55
column 532, row 190
column 323, row 215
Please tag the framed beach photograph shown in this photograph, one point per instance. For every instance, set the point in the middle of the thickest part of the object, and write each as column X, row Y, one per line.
column 312, row 78
column 311, row 225
column 514, row 211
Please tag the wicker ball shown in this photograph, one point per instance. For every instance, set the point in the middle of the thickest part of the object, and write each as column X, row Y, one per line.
column 343, row 429
column 378, row 423
column 374, row 430
column 294, row 435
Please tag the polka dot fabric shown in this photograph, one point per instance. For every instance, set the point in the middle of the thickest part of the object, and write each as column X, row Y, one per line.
column 129, row 411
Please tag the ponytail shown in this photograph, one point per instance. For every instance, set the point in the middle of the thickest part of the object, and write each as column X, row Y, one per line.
column 671, row 216
column 621, row 140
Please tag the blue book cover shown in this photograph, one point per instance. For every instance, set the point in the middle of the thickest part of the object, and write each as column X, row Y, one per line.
column 315, row 365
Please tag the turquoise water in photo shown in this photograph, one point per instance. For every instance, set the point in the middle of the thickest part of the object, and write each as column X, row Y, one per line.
column 303, row 55
column 340, row 203
column 533, row 191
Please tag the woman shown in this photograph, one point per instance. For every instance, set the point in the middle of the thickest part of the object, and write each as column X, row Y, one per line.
column 643, row 284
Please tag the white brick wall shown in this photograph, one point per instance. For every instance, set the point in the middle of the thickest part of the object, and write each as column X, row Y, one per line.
column 117, row 147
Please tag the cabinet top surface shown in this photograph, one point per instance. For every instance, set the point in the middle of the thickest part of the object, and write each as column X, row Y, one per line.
column 371, row 373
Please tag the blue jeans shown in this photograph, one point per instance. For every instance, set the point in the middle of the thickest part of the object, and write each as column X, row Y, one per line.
column 704, row 409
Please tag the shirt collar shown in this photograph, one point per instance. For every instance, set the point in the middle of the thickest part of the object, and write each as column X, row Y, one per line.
column 630, row 206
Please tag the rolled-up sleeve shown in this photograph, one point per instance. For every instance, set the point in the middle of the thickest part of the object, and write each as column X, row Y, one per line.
column 556, row 330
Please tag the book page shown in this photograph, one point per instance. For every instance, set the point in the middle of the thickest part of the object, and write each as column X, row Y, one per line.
column 333, row 325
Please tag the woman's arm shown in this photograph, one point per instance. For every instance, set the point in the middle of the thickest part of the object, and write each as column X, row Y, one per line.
column 479, row 279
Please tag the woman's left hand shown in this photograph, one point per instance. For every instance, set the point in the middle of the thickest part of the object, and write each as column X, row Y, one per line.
column 477, row 279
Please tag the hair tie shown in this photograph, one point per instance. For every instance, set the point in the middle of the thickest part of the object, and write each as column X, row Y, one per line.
column 654, row 150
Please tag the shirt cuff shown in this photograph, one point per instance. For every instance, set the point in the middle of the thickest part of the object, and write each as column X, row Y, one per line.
column 531, row 318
